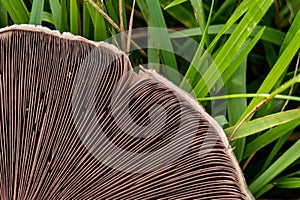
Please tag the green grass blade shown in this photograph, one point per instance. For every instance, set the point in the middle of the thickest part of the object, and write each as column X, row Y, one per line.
column 36, row 14
column 271, row 54
column 295, row 27
column 182, row 13
column 87, row 23
column 276, row 72
column 263, row 123
column 174, row 3
column 265, row 189
column 270, row 136
column 47, row 17
column 201, row 19
column 241, row 56
column 63, row 19
column 232, row 46
column 291, row 182
column 100, row 26
column 55, row 10
column 280, row 142
column 113, row 10
column 235, row 107
column 225, row 9
column 270, row 35
column 249, row 95
column 240, row 11
column 74, row 17
column 17, row 11
column 291, row 155
column 3, row 15
column 154, row 16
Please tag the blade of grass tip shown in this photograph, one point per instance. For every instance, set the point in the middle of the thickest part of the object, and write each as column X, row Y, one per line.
column 283, row 162
column 232, row 46
column 87, row 24
column 275, row 73
column 74, row 17
column 17, row 11
column 36, row 14
column 55, row 10
column 270, row 136
column 3, row 16
column 174, row 3
column 181, row 13
column 63, row 18
column 235, row 107
column 263, row 123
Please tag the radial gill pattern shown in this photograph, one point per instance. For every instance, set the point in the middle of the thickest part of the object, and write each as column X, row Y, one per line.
column 77, row 123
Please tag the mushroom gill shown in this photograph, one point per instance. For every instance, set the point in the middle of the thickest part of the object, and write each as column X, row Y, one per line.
column 77, row 123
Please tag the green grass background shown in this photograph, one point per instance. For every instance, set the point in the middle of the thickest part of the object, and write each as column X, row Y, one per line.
column 255, row 46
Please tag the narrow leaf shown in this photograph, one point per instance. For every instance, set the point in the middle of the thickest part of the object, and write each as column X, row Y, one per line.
column 264, row 123
column 291, row 155
column 36, row 14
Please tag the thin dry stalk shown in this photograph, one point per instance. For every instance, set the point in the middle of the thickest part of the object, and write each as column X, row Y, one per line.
column 292, row 87
column 130, row 28
column 122, row 24
column 109, row 20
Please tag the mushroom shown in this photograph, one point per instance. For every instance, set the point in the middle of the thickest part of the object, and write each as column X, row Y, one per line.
column 77, row 122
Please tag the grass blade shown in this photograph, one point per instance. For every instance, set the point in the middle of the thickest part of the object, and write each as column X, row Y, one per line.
column 181, row 13
column 264, row 123
column 232, row 46
column 63, row 19
column 87, row 23
column 276, row 72
column 74, row 17
column 269, row 137
column 270, row 35
column 55, row 9
column 3, row 15
column 17, row 11
column 236, row 85
column 174, row 3
column 47, row 17
column 290, row 182
column 36, row 14
column 241, row 56
column 160, row 36
column 291, row 155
